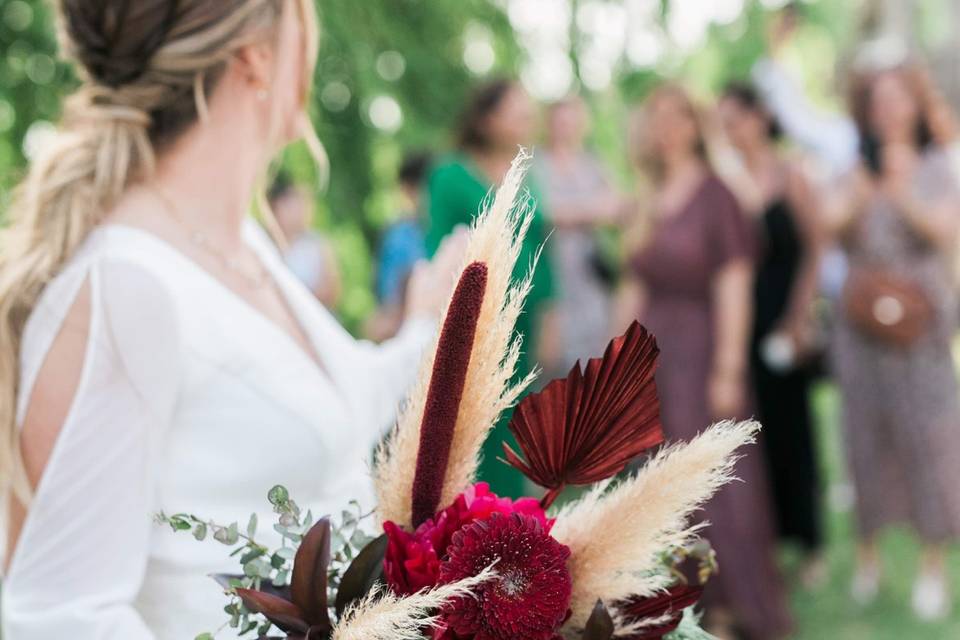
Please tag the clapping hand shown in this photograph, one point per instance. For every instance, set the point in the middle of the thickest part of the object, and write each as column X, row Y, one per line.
column 432, row 282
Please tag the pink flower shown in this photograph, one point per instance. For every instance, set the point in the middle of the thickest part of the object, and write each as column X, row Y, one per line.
column 413, row 560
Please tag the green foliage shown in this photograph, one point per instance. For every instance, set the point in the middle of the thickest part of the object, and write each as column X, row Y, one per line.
column 689, row 628
column 261, row 565
column 32, row 80
column 365, row 46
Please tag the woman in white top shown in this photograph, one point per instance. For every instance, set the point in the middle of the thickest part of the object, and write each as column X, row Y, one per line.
column 155, row 353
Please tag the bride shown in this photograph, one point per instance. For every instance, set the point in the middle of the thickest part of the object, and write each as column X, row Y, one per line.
column 154, row 352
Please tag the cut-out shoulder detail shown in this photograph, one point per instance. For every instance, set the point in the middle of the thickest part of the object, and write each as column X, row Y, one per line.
column 51, row 398
column 99, row 364
column 57, row 382
column 128, row 292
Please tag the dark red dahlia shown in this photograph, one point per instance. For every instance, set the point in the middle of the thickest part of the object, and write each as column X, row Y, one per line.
column 412, row 560
column 530, row 596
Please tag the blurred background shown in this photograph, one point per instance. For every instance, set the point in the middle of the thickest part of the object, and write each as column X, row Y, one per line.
column 392, row 82
column 394, row 74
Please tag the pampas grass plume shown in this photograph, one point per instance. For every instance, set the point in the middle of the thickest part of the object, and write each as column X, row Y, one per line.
column 495, row 240
column 616, row 537
column 384, row 616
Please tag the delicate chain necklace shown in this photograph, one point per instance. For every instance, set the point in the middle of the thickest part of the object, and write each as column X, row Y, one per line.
column 257, row 280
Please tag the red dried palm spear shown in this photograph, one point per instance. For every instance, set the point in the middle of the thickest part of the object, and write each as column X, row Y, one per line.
column 586, row 427
column 666, row 608
column 446, row 390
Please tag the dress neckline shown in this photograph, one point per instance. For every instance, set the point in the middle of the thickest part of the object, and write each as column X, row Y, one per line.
column 687, row 203
column 315, row 360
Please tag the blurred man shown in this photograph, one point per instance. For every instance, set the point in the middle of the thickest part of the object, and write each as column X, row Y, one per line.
column 401, row 249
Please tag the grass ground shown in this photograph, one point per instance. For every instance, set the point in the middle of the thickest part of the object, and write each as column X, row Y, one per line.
column 828, row 612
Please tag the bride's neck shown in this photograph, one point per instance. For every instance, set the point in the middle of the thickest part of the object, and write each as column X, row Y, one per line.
column 210, row 174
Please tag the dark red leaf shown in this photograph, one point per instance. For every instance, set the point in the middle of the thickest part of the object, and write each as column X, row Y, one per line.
column 283, row 613
column 308, row 584
column 588, row 426
column 364, row 572
column 446, row 390
column 599, row 624
column 670, row 603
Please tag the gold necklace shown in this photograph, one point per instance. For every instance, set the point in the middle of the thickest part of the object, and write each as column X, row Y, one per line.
column 256, row 280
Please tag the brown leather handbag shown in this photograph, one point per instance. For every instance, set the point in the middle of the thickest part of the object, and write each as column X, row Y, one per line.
column 886, row 306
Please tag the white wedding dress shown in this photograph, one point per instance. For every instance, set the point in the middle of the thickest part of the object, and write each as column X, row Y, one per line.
column 190, row 401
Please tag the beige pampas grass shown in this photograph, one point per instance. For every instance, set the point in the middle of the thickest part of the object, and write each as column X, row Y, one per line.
column 495, row 240
column 389, row 617
column 616, row 538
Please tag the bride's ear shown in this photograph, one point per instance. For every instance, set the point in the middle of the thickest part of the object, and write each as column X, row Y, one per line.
column 254, row 63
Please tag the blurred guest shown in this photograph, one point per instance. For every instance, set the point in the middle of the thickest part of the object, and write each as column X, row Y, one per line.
column 692, row 287
column 774, row 189
column 498, row 118
column 308, row 254
column 579, row 199
column 897, row 216
column 402, row 247
column 831, row 138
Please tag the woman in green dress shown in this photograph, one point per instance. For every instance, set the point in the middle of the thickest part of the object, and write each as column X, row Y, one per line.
column 499, row 118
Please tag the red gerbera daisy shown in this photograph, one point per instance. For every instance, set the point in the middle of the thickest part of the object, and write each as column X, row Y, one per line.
column 530, row 596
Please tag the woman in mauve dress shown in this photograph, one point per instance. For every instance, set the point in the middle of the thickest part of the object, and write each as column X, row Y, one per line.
column 898, row 214
column 691, row 287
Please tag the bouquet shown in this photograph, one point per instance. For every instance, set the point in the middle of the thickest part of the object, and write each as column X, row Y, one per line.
column 454, row 560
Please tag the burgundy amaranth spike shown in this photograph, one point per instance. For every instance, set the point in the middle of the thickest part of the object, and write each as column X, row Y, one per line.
column 446, row 390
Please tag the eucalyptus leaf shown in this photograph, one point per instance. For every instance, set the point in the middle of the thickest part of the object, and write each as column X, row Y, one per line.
column 251, row 569
column 252, row 526
column 180, row 522
column 252, row 554
column 359, row 539
column 286, row 533
column 278, row 496
column 200, row 531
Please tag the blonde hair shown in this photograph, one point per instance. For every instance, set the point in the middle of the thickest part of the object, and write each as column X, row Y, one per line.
column 647, row 159
column 146, row 66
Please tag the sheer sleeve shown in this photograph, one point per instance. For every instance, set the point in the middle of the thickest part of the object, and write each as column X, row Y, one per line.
column 81, row 556
column 832, row 139
column 395, row 365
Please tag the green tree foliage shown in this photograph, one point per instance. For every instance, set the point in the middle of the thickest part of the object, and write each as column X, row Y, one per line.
column 407, row 50
column 32, row 80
